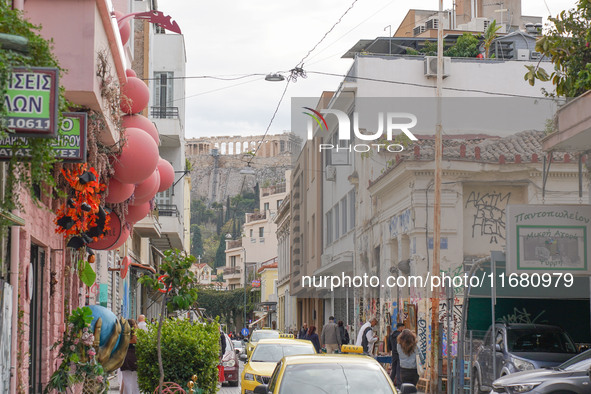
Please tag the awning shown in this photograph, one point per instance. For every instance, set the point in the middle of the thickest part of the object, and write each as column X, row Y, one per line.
column 256, row 321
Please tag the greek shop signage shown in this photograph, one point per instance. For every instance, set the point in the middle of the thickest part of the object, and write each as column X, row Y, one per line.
column 548, row 238
column 70, row 144
column 32, row 102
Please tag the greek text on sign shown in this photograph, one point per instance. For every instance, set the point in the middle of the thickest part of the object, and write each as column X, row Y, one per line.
column 70, row 144
column 32, row 102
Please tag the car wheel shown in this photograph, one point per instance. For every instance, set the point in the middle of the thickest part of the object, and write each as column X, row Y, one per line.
column 234, row 384
column 476, row 388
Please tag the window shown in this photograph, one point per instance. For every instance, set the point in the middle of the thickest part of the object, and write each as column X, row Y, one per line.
column 352, row 209
column 251, row 233
column 266, row 207
column 329, row 227
column 344, row 214
column 164, row 198
column 261, row 232
column 279, row 203
column 233, row 261
column 163, row 89
column 337, row 222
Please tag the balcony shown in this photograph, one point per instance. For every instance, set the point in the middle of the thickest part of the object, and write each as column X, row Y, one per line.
column 233, row 244
column 233, row 274
column 232, row 271
column 574, row 127
column 148, row 227
column 252, row 217
column 96, row 48
column 275, row 189
column 164, row 112
column 172, row 230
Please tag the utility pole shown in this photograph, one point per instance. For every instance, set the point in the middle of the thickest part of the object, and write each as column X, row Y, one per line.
column 434, row 380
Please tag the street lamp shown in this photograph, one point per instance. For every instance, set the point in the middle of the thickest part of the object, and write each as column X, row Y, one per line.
column 274, row 77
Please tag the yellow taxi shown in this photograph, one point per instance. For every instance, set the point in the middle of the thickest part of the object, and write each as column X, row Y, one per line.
column 265, row 356
column 328, row 374
column 257, row 335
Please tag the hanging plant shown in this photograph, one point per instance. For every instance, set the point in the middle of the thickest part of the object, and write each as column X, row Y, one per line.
column 38, row 169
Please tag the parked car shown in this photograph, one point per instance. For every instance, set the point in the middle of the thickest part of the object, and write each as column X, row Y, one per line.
column 230, row 363
column 569, row 377
column 239, row 347
column 519, row 347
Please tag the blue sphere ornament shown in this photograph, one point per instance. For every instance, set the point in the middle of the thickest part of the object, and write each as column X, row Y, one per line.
column 108, row 327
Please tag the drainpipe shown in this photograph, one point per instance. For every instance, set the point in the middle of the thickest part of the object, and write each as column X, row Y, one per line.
column 18, row 5
column 14, row 270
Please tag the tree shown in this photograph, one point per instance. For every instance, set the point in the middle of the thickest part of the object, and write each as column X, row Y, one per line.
column 220, row 254
column 179, row 290
column 567, row 44
column 489, row 35
column 465, row 46
column 196, row 241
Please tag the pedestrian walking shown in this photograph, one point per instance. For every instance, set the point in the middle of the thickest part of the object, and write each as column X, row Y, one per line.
column 407, row 352
column 331, row 336
column 303, row 331
column 344, row 333
column 313, row 337
column 366, row 337
column 129, row 384
column 392, row 344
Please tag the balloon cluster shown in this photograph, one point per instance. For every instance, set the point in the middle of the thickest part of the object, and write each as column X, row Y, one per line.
column 140, row 172
column 82, row 217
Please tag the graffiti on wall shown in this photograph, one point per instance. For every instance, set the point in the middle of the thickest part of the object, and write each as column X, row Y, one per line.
column 489, row 218
column 422, row 332
column 455, row 312
column 452, row 272
column 399, row 224
column 523, row 316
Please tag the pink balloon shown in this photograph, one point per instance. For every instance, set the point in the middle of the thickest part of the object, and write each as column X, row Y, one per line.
column 166, row 174
column 140, row 200
column 138, row 159
column 146, row 187
column 137, row 212
column 130, row 73
column 125, row 29
column 125, row 232
column 143, row 123
column 134, row 96
column 112, row 235
column 118, row 192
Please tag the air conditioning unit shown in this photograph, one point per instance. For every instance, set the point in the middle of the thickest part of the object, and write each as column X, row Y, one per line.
column 331, row 173
column 523, row 54
column 535, row 55
column 431, row 66
column 418, row 30
column 432, row 23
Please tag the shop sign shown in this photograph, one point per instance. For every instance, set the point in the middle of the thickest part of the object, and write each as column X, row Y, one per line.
column 548, row 238
column 256, row 283
column 70, row 144
column 32, row 102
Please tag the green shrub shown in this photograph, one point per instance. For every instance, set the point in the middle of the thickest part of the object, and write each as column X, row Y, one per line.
column 187, row 349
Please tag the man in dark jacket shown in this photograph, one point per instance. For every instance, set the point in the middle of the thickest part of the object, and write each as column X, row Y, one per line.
column 392, row 341
column 303, row 331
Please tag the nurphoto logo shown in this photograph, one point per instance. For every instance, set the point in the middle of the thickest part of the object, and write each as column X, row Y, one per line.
column 399, row 121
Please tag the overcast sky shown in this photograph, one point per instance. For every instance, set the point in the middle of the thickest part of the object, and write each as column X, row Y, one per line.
column 235, row 38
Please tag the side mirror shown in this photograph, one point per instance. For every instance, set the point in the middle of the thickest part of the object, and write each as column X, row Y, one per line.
column 407, row 388
column 243, row 357
column 261, row 389
column 498, row 348
column 237, row 351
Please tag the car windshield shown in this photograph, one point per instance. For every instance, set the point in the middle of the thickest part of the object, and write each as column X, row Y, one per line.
column 263, row 334
column 334, row 378
column 237, row 343
column 273, row 352
column 580, row 362
column 532, row 340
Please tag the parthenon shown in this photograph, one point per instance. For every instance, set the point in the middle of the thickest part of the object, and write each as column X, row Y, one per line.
column 270, row 145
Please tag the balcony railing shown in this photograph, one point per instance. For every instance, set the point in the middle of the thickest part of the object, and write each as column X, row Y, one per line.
column 165, row 112
column 168, row 210
column 256, row 216
column 231, row 270
column 234, row 244
column 275, row 189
